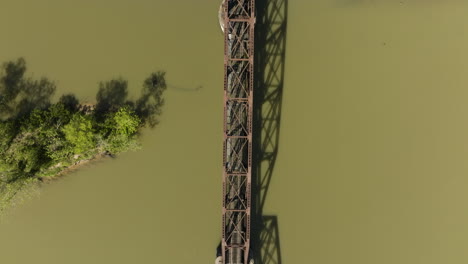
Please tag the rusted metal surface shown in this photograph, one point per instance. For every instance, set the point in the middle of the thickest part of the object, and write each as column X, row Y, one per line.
column 239, row 22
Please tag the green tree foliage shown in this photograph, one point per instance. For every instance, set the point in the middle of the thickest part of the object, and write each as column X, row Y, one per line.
column 124, row 122
column 120, row 130
column 7, row 132
column 25, row 152
column 49, row 125
column 79, row 133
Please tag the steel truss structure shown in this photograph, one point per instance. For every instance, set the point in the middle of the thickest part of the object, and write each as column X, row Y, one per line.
column 239, row 21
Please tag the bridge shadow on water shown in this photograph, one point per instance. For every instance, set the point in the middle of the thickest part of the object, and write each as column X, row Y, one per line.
column 270, row 52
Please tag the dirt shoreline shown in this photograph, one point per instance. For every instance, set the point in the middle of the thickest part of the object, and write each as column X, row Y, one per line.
column 74, row 167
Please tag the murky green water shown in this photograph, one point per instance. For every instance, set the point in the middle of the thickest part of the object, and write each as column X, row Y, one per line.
column 371, row 163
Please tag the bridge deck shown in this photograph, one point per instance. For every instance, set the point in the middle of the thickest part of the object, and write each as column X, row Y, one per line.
column 239, row 21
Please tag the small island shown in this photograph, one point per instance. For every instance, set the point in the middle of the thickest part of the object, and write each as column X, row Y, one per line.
column 41, row 140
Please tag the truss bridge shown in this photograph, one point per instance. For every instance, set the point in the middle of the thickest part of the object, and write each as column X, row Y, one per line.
column 237, row 19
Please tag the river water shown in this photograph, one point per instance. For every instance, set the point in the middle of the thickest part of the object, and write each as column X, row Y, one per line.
column 367, row 159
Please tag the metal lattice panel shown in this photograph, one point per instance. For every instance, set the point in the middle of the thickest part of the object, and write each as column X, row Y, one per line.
column 237, row 118
column 238, row 77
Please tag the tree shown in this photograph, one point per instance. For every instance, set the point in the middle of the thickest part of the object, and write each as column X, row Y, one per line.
column 120, row 129
column 25, row 152
column 7, row 132
column 124, row 122
column 79, row 133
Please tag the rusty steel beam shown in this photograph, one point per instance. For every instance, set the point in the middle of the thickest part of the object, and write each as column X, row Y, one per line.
column 239, row 22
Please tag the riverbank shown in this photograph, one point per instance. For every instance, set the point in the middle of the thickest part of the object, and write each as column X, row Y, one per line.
column 74, row 167
column 19, row 192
